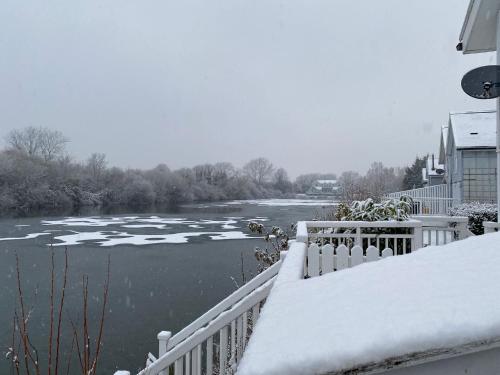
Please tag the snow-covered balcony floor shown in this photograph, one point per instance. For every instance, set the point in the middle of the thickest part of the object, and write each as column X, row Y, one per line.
column 378, row 315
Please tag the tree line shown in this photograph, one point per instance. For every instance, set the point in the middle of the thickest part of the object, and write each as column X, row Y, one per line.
column 37, row 174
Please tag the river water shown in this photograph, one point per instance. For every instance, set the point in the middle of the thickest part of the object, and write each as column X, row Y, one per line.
column 166, row 270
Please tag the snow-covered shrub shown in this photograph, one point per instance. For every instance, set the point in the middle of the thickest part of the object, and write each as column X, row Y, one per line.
column 368, row 210
column 276, row 241
column 477, row 213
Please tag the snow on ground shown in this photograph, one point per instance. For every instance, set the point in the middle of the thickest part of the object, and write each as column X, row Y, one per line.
column 439, row 297
column 286, row 202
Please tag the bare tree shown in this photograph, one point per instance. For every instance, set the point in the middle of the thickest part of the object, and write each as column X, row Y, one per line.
column 38, row 142
column 26, row 140
column 52, row 144
column 259, row 170
column 281, row 181
column 352, row 186
column 380, row 180
column 96, row 166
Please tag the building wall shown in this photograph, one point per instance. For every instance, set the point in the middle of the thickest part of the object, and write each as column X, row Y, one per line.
column 454, row 174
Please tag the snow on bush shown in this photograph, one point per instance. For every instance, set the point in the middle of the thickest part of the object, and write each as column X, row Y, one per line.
column 477, row 213
column 368, row 210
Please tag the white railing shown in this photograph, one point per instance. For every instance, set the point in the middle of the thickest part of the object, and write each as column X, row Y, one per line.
column 440, row 230
column 335, row 245
column 214, row 343
column 429, row 200
column 490, row 226
column 404, row 235
column 436, row 191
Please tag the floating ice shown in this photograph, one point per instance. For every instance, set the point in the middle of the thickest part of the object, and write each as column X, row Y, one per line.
column 113, row 238
column 286, row 202
column 27, row 237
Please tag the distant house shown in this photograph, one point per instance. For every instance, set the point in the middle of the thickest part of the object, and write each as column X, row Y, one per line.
column 468, row 150
column 433, row 173
column 324, row 187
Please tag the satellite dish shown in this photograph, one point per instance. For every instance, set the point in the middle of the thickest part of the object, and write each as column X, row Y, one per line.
column 482, row 82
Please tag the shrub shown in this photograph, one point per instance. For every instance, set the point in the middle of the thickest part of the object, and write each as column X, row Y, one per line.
column 477, row 213
column 276, row 241
column 368, row 210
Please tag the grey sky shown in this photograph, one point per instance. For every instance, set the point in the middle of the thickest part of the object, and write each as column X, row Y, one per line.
column 312, row 85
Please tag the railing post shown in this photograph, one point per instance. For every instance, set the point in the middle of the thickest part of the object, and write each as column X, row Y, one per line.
column 163, row 338
column 358, row 241
column 302, row 234
column 489, row 227
column 418, row 237
column 462, row 230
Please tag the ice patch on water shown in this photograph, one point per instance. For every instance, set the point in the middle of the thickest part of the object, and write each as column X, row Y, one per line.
column 139, row 222
column 113, row 238
column 85, row 222
column 157, row 226
column 286, row 202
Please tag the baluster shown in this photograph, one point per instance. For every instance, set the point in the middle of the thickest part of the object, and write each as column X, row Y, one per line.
column 255, row 315
column 210, row 355
column 188, row 363
column 197, row 355
column 233, row 341
column 239, row 338
column 223, row 338
column 245, row 329
column 179, row 366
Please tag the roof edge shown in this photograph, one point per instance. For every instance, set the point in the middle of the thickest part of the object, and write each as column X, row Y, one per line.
column 472, row 112
column 466, row 20
column 418, row 358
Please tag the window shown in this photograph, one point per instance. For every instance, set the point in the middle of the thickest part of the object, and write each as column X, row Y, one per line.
column 479, row 180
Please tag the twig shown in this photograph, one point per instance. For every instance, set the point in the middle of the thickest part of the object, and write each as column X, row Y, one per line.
column 22, row 326
column 101, row 324
column 70, row 355
column 49, row 371
column 61, row 304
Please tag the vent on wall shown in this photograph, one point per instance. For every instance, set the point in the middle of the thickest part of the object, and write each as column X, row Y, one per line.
column 474, row 133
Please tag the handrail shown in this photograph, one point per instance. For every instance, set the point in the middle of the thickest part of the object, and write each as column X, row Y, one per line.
column 225, row 304
column 211, row 329
column 440, row 189
column 440, row 218
column 490, row 226
column 364, row 224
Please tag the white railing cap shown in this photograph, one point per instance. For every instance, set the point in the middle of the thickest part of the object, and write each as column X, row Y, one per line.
column 363, row 224
column 292, row 268
column 491, row 224
column 441, row 218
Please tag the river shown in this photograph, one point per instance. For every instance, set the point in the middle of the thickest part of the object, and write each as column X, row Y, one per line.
column 166, row 269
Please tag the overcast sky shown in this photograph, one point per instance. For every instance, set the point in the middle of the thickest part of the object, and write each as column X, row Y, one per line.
column 321, row 86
